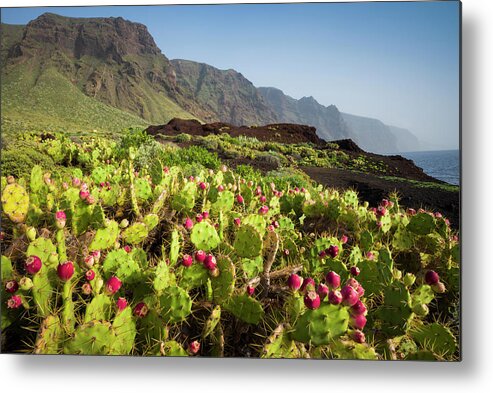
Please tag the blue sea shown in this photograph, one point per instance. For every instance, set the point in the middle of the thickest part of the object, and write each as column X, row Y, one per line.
column 443, row 165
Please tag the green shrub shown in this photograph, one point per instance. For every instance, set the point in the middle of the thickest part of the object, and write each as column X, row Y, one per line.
column 248, row 172
column 20, row 156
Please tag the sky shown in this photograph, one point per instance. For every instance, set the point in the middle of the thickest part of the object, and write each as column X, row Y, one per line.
column 394, row 61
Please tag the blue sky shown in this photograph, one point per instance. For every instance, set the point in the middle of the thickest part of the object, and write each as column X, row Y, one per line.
column 395, row 61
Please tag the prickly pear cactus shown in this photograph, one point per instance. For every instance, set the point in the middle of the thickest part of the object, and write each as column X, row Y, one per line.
column 248, row 242
column 435, row 338
column 224, row 202
column 245, row 308
column 92, row 338
column 322, row 325
column 396, row 313
column 105, row 238
column 98, row 309
column 422, row 224
column 280, row 346
column 224, row 284
column 204, row 236
column 49, row 336
column 15, row 202
column 176, row 304
column 212, row 322
column 124, row 330
column 136, row 233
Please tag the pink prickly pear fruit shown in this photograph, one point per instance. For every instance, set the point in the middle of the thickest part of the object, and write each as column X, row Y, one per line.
column 200, row 256
column 271, row 228
column 240, row 199
column 308, row 284
column 90, row 200
column 83, row 194
column 60, row 219
column 166, row 169
column 358, row 336
column 89, row 260
column 335, row 297
column 303, row 189
column 237, row 221
column 14, row 302
column 263, row 210
column 381, row 211
column 276, row 224
column 263, row 199
column 65, row 270
column 194, row 347
column 356, row 285
column 202, row 185
column 102, row 184
column 355, row 271
column 141, row 310
column 385, row 203
column 439, row 287
column 33, row 264
column 438, row 215
column 188, row 223
column 357, row 321
column 90, row 275
column 370, row 255
column 121, row 303
column 431, row 277
column 411, row 212
column 250, row 290
column 76, row 182
column 323, row 291
column 205, row 215
column 113, row 285
column 359, row 308
column 322, row 254
column 333, row 280
column 294, row 282
column 333, row 251
column 312, row 300
column 349, row 296
column 187, row 260
column 86, row 288
column 220, row 188
column 11, row 286
column 199, row 217
column 286, row 252
column 210, row 262
column 297, row 189
column 127, row 249
column 344, row 239
column 96, row 255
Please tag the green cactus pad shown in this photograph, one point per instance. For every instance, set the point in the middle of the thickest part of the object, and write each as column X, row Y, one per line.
column 173, row 348
column 136, row 233
column 279, row 346
column 351, row 198
column 156, row 171
column 421, row 355
column 211, row 322
column 252, row 267
column 151, row 221
column 224, row 202
column 350, row 350
column 224, row 284
column 92, row 338
column 176, row 304
column 98, row 218
column 192, row 277
column 248, row 242
column 204, row 236
column 174, row 249
column 37, row 184
column 257, row 221
column 15, row 202
column 422, row 224
column 81, row 217
column 366, row 240
column 435, row 338
column 143, row 190
column 110, row 197
column 43, row 290
column 6, row 269
column 322, row 325
column 49, row 336
column 99, row 309
column 105, row 238
column 162, row 278
column 124, row 331
column 245, row 308
column 185, row 199
column 395, row 314
column 402, row 240
column 422, row 295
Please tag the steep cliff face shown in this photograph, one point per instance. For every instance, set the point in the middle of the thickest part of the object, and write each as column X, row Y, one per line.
column 406, row 140
column 220, row 95
column 327, row 120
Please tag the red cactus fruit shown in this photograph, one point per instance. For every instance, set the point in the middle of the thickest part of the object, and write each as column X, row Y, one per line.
column 357, row 321
column 65, row 270
column 113, row 285
column 96, row 254
column 355, row 271
column 263, row 210
column 312, row 300
column 188, row 223
column 240, row 199
column 199, row 217
column 275, row 223
column 89, row 260
column 237, row 221
column 76, row 182
column 11, row 286
column 294, row 282
column 250, row 290
column 344, row 239
column 210, row 262
column 121, row 303
column 202, row 185
column 86, row 288
column 358, row 336
column 335, row 297
column 431, row 277
column 322, row 254
column 411, row 212
column 61, row 219
column 356, row 285
column 359, row 308
column 33, row 264
column 308, row 283
column 263, row 198
column 14, row 302
column 323, row 291
column 205, row 215
column 385, row 203
column 286, row 252
column 220, row 188
column 141, row 310
column 349, row 295
column 187, row 260
column 271, row 228
column 333, row 280
column 200, row 256
column 381, row 211
column 127, row 249
column 90, row 274
column 83, row 194
column 90, row 200
column 194, row 347
column 333, row 251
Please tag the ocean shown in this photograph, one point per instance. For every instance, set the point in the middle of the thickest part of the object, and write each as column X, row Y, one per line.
column 442, row 165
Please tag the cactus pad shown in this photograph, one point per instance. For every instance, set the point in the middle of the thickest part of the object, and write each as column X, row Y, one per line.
column 224, row 202
column 136, row 233
column 395, row 314
column 172, row 348
column 435, row 338
column 174, row 249
column 193, row 277
column 176, row 304
column 99, row 309
column 185, row 199
column 92, row 338
column 279, row 346
column 422, row 224
column 248, row 242
column 350, row 350
column 15, row 202
column 151, row 221
column 204, row 236
column 212, row 322
column 105, row 238
column 49, row 336
column 245, row 308
column 224, row 284
column 124, row 331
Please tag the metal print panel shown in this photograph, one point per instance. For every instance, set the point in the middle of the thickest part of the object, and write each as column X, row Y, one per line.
column 257, row 180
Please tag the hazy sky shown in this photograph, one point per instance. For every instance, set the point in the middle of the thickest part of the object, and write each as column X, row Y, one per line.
column 398, row 62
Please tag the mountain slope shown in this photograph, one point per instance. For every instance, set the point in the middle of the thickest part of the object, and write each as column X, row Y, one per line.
column 406, row 140
column 220, row 95
column 327, row 120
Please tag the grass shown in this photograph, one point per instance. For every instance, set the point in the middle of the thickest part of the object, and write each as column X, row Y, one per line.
column 424, row 184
